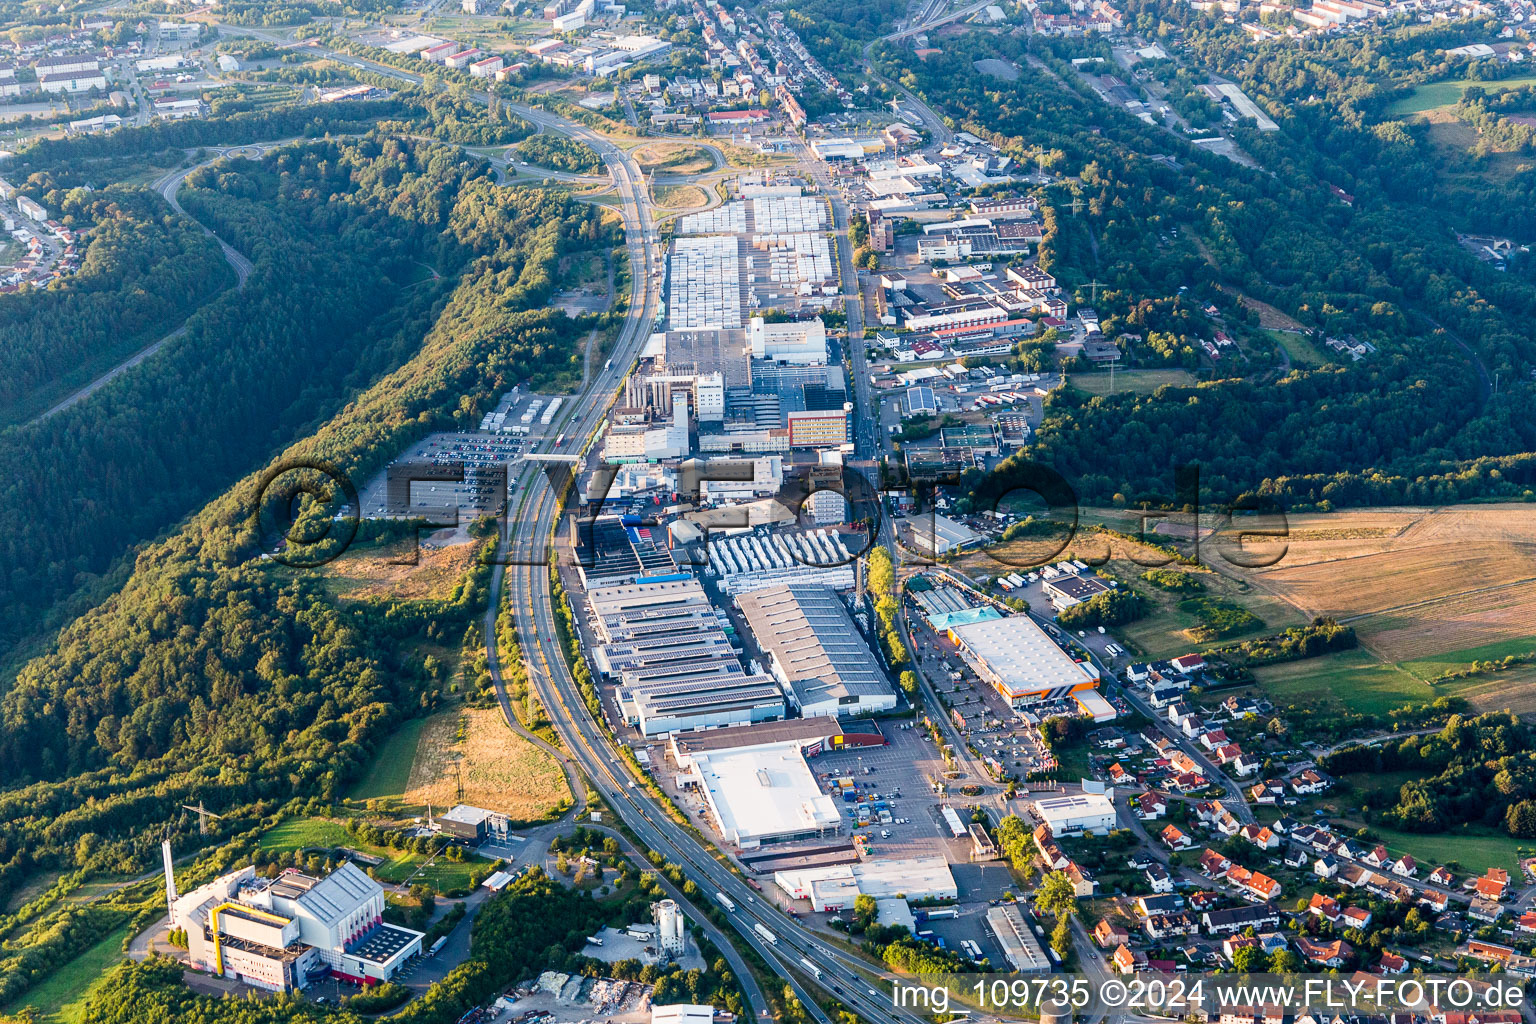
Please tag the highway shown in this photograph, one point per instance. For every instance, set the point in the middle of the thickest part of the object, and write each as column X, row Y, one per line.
column 534, row 509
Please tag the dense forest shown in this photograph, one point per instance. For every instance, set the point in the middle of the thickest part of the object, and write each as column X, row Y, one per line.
column 559, row 153
column 144, row 271
column 1478, row 770
column 1164, row 224
column 210, row 672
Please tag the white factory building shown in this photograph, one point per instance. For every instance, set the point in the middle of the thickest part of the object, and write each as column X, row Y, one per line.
column 757, row 560
column 1077, row 813
column 761, row 794
column 282, row 933
column 1014, row 656
column 803, row 342
column 835, row 887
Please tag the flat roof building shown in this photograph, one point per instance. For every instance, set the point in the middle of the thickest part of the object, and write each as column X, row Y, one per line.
column 762, row 794
column 1066, row 591
column 816, row 651
column 1076, row 813
column 835, row 887
column 1021, row 948
column 1014, row 656
column 794, row 341
column 940, row 535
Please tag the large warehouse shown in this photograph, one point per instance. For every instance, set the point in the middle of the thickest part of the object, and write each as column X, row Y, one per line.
column 1020, row 947
column 836, row 886
column 1015, row 657
column 762, row 794
column 1076, row 814
column 816, row 651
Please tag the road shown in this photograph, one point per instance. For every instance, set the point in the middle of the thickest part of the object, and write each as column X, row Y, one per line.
column 170, row 184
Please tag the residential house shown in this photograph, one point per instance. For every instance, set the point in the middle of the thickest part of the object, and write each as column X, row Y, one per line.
column 1127, row 961
column 1378, row 857
column 1294, row 857
column 1311, row 782
column 1159, row 878
column 1325, row 866
column 1261, row 836
column 1267, row 792
column 1391, row 963
column 1526, row 925
column 1188, row 665
column 1326, row 954
column 1442, row 876
column 1175, row 839
column 1214, row 739
column 1486, row 911
column 1356, row 917
column 1109, row 935
column 1232, row 943
column 1167, row 926
column 1235, row 919
column 1214, row 864
column 1492, row 885
column 1325, row 907
column 1083, row 884
column 1405, row 867
column 1050, row 853
column 1151, row 805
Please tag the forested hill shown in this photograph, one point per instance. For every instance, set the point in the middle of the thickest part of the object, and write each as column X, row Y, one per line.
column 214, row 674
column 144, row 271
column 1165, row 228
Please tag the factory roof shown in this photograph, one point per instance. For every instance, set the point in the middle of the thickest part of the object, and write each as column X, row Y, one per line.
column 813, row 642
column 1018, row 656
column 764, row 791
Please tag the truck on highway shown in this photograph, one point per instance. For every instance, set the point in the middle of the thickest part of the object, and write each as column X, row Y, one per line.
column 766, row 935
column 815, row 971
column 726, row 902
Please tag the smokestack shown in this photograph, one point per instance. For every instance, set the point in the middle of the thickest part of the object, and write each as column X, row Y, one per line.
column 170, row 880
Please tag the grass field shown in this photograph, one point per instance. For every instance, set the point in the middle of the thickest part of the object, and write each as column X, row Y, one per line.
column 397, row 867
column 391, row 769
column 1301, row 351
column 673, row 158
column 62, row 997
column 471, row 756
column 1443, row 94
column 681, row 197
column 1139, row 381
column 1350, row 679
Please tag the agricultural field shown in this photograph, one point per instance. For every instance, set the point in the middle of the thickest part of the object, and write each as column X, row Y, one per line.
column 1298, row 347
column 470, row 756
column 1352, row 680
column 1413, row 582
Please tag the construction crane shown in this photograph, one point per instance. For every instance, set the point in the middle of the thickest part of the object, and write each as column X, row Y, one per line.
column 203, row 814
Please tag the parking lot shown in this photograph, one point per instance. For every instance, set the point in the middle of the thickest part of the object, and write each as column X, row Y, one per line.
column 485, row 458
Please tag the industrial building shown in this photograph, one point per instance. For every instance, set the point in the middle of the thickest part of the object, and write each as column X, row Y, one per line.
column 764, row 558
column 1021, row 948
column 1015, row 657
column 815, row 650
column 1077, row 813
column 761, row 794
column 283, row 933
column 940, row 535
column 835, row 887
column 609, row 552
column 1066, row 591
column 701, row 701
column 803, row 341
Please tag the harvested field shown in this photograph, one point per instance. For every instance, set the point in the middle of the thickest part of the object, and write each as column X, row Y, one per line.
column 471, row 757
column 1413, row 582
